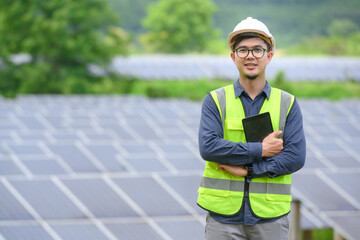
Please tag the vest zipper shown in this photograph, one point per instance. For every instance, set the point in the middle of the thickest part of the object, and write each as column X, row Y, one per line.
column 246, row 188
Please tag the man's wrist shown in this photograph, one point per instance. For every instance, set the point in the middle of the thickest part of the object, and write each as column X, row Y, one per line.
column 250, row 170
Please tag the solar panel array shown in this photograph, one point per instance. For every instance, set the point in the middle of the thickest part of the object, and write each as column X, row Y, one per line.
column 212, row 67
column 125, row 167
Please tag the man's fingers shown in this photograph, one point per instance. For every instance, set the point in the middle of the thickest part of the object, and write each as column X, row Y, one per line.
column 276, row 134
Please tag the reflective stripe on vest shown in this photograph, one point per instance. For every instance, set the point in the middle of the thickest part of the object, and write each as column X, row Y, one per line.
column 256, row 187
column 221, row 192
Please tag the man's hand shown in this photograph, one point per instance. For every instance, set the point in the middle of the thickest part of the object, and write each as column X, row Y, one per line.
column 272, row 146
column 238, row 170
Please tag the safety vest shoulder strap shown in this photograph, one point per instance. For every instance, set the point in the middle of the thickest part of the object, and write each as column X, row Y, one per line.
column 287, row 100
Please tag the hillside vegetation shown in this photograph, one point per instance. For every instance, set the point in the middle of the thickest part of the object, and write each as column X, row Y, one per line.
column 291, row 22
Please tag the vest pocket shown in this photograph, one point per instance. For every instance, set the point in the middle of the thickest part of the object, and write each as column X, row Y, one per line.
column 234, row 124
column 234, row 130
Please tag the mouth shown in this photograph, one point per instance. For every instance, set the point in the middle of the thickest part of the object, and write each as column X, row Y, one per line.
column 250, row 66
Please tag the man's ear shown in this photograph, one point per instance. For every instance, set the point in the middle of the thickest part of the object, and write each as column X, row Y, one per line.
column 269, row 56
column 232, row 54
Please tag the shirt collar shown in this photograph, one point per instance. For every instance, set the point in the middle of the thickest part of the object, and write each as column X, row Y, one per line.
column 240, row 90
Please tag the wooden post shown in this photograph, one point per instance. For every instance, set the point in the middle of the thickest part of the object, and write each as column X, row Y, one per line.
column 337, row 236
column 307, row 235
column 295, row 231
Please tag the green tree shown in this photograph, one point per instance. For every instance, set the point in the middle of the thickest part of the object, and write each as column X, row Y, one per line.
column 62, row 37
column 343, row 40
column 179, row 26
column 342, row 27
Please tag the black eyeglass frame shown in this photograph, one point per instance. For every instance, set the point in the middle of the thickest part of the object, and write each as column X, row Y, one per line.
column 248, row 52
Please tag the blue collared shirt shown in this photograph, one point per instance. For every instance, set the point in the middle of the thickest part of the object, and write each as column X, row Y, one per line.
column 214, row 148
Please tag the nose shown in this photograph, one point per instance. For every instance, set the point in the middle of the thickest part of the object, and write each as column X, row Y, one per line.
column 250, row 54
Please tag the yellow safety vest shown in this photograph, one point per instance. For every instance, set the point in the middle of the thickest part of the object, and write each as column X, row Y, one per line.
column 221, row 192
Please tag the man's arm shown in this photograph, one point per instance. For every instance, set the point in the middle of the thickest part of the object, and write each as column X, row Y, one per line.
column 213, row 146
column 271, row 146
column 292, row 157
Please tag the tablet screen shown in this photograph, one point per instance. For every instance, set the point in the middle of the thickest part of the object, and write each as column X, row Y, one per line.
column 257, row 127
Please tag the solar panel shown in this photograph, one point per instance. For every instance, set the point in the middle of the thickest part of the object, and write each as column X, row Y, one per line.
column 91, row 192
column 73, row 157
column 44, row 167
column 107, row 155
column 146, row 163
column 10, row 207
column 133, row 231
column 130, row 167
column 349, row 224
column 333, row 202
column 9, row 168
column 47, row 199
column 183, row 230
column 212, row 67
column 24, row 232
column 153, row 198
column 78, row 231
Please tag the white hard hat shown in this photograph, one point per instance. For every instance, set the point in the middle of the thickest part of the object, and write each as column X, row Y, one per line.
column 251, row 25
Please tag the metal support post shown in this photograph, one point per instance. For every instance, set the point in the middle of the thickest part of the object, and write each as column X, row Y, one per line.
column 295, row 231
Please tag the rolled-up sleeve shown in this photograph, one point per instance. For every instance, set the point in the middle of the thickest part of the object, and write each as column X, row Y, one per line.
column 292, row 157
column 212, row 145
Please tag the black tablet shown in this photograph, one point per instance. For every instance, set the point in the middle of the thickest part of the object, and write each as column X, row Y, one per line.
column 257, row 127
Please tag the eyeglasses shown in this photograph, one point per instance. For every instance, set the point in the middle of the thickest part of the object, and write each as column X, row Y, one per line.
column 242, row 52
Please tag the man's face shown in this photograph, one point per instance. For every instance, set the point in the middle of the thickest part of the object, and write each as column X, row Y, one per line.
column 250, row 67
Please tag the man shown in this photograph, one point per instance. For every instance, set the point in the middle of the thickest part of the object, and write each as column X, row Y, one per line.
column 246, row 185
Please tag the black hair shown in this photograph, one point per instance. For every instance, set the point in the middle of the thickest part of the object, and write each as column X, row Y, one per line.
column 240, row 37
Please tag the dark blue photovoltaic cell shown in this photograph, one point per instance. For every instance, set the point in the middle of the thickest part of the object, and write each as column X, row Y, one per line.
column 186, row 187
column 317, row 190
column 74, row 158
column 152, row 198
column 175, row 148
column 9, row 168
column 175, row 133
column 133, row 231
column 146, row 164
column 185, row 161
column 183, row 230
column 120, row 132
column 99, row 198
column 107, row 155
column 349, row 182
column 44, row 167
column 26, row 149
column 133, row 148
column 24, row 232
column 342, row 159
column 354, row 145
column 32, row 123
column 62, row 136
column 47, row 199
column 56, row 122
column 144, row 130
column 313, row 162
column 78, row 231
column 350, row 224
column 10, row 207
column 93, row 136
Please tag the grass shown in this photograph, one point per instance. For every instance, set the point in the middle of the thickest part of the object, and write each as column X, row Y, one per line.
column 197, row 89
